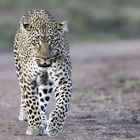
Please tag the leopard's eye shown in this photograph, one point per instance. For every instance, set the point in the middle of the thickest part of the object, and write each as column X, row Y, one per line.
column 26, row 25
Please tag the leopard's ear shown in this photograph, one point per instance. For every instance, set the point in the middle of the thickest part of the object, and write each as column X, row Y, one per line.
column 64, row 26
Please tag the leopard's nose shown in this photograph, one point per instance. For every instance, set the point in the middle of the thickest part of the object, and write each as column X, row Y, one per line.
column 44, row 51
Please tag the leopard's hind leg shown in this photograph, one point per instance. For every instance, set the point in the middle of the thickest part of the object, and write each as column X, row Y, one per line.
column 58, row 115
column 45, row 90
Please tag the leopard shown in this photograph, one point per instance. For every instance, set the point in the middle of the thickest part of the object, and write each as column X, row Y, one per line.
column 43, row 67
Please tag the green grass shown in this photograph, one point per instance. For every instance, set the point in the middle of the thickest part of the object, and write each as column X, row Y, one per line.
column 126, row 84
column 90, row 20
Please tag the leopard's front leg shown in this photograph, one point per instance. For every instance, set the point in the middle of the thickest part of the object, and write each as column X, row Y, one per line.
column 23, row 112
column 58, row 115
column 23, row 115
column 34, row 120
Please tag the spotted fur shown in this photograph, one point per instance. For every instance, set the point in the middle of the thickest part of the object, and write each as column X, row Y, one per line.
column 43, row 67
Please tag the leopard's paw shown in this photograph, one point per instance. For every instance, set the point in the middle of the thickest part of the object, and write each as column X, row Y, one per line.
column 23, row 116
column 41, row 130
column 52, row 129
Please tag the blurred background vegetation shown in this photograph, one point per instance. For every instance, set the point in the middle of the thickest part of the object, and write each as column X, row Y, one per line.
column 89, row 20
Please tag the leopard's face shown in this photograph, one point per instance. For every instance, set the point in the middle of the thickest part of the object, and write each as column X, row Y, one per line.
column 42, row 36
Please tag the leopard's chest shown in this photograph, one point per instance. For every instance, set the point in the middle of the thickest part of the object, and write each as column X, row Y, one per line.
column 32, row 70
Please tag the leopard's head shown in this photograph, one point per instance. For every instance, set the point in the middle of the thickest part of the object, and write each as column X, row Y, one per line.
column 43, row 35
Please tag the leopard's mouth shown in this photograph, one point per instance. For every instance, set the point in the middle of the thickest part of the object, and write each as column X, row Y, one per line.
column 47, row 61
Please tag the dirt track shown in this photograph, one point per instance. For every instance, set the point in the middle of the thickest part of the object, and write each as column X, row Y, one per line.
column 100, row 109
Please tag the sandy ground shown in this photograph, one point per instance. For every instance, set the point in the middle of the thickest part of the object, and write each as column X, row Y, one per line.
column 101, row 108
